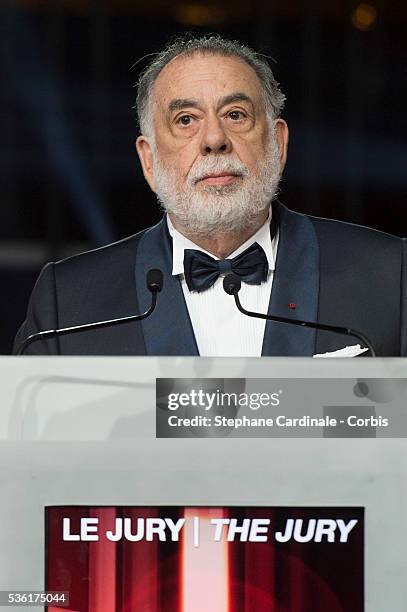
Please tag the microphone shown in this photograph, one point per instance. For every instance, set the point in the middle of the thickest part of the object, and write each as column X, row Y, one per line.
column 232, row 285
column 154, row 281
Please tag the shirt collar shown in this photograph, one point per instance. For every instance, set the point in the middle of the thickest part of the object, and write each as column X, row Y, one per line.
column 262, row 237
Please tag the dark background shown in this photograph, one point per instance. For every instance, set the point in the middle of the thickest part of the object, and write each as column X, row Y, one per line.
column 69, row 171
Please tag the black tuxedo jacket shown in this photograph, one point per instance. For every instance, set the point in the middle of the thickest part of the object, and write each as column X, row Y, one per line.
column 335, row 273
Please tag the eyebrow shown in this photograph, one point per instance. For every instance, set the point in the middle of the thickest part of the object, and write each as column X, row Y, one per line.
column 180, row 103
column 237, row 96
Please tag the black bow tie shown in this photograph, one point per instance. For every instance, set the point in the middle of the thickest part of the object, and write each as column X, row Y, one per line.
column 202, row 271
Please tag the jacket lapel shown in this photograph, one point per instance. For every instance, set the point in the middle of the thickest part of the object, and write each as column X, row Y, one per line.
column 296, row 281
column 168, row 331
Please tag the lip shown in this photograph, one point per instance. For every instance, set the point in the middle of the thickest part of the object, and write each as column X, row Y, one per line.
column 219, row 179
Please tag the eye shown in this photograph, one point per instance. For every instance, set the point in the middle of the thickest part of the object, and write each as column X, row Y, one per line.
column 237, row 115
column 184, row 120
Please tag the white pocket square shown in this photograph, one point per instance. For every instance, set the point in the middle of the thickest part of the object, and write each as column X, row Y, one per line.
column 348, row 351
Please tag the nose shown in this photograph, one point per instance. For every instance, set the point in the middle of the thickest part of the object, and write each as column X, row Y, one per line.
column 214, row 138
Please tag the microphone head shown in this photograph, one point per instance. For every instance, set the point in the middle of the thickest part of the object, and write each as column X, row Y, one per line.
column 232, row 284
column 155, row 280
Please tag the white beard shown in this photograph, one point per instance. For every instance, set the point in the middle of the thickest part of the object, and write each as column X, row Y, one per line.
column 219, row 209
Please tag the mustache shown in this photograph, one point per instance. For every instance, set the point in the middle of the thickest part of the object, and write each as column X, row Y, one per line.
column 216, row 165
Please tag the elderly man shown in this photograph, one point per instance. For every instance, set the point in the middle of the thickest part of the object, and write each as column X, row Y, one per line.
column 213, row 147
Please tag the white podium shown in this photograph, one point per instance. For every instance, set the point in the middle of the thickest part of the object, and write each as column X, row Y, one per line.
column 81, row 431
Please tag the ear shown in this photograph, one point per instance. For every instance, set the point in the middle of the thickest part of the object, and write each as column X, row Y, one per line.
column 282, row 140
column 146, row 159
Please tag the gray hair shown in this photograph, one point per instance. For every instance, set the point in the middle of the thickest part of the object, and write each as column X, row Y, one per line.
column 211, row 45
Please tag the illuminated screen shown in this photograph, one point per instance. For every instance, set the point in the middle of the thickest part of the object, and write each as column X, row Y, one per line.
column 221, row 559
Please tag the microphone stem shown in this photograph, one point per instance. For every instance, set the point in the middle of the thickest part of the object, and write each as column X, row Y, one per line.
column 50, row 333
column 332, row 328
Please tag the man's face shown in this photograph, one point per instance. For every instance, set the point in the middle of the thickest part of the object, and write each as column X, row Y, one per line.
column 216, row 159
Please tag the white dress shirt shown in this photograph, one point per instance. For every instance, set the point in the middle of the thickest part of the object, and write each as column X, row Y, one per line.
column 220, row 329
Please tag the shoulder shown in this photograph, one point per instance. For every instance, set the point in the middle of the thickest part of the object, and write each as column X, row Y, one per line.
column 93, row 285
column 348, row 240
column 351, row 232
column 106, row 255
column 349, row 246
column 110, row 259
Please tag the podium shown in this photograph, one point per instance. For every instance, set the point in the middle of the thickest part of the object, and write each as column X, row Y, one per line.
column 82, row 432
